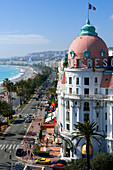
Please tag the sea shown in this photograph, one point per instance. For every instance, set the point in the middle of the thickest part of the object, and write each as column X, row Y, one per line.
column 10, row 72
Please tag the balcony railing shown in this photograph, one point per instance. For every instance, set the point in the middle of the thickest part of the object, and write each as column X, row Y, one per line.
column 98, row 96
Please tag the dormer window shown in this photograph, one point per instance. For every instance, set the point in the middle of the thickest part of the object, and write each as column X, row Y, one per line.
column 72, row 54
column 86, row 54
column 102, row 53
column 106, row 79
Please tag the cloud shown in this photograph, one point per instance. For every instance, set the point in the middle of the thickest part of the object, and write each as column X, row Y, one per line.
column 111, row 17
column 22, row 39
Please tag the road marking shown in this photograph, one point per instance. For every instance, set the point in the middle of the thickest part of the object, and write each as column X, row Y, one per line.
column 7, row 146
column 14, row 146
column 17, row 147
column 10, row 146
column 5, row 156
column 2, row 146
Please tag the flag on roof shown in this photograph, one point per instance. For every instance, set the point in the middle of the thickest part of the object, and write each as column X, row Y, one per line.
column 92, row 7
column 61, row 126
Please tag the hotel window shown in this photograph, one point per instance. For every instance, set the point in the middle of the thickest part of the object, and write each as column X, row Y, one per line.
column 68, row 126
column 70, row 80
column 67, row 116
column 97, row 104
column 86, row 106
column 105, row 104
column 70, row 90
column 97, row 114
column 86, row 117
column 86, row 81
column 105, row 128
column 86, row 91
column 97, row 128
column 96, row 91
column 67, row 104
column 106, row 116
column 77, row 90
column 96, row 80
column 106, row 91
column 77, row 81
column 75, row 103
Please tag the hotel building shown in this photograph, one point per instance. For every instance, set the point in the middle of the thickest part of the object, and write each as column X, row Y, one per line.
column 85, row 92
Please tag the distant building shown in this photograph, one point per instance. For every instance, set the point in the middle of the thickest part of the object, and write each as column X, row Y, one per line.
column 110, row 51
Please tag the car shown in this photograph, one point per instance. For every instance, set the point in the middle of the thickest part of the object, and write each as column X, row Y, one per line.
column 43, row 161
column 57, row 166
column 28, row 120
column 61, row 161
column 31, row 116
column 20, row 116
column 19, row 152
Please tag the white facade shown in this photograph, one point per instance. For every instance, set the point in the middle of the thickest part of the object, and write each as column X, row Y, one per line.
column 85, row 94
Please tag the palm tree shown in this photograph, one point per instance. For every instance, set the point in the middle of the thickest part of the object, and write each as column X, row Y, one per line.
column 9, row 88
column 86, row 130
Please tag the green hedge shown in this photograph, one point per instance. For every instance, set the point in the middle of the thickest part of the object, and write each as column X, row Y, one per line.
column 40, row 153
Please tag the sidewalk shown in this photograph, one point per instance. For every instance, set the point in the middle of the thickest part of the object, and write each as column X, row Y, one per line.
column 29, row 141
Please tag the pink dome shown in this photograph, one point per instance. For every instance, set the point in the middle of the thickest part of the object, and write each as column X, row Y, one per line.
column 91, row 43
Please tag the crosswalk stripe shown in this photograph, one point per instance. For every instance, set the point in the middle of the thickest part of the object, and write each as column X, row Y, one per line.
column 14, row 146
column 17, row 147
column 7, row 146
column 2, row 146
column 10, row 147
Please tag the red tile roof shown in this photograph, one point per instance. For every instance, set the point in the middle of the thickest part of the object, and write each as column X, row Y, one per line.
column 64, row 79
column 107, row 81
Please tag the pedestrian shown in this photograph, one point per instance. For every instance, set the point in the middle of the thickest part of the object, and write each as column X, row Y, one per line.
column 10, row 156
column 30, row 145
column 31, row 155
column 28, row 152
column 5, row 149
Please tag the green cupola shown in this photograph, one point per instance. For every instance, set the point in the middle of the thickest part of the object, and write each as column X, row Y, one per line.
column 88, row 29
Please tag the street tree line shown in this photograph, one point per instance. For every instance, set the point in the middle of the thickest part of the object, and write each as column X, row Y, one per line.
column 25, row 88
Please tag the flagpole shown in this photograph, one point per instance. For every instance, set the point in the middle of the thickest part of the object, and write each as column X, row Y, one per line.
column 88, row 12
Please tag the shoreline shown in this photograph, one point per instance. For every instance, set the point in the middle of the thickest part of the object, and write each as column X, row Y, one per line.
column 25, row 73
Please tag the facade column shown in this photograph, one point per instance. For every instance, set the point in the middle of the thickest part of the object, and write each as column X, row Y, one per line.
column 71, row 115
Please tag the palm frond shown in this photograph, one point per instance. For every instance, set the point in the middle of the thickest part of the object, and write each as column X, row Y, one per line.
column 74, row 137
column 96, row 139
column 97, row 134
column 79, row 141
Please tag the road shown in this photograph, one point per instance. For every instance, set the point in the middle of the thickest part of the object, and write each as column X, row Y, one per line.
column 14, row 135
column 11, row 140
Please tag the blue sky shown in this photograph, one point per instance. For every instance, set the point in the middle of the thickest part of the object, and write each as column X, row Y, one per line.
column 28, row 26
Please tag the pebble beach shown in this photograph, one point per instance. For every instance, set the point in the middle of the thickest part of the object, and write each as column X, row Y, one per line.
column 26, row 72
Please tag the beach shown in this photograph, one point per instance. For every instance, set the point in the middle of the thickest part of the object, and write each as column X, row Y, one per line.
column 26, row 72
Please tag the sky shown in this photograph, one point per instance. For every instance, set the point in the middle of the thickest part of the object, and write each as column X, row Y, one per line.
column 28, row 26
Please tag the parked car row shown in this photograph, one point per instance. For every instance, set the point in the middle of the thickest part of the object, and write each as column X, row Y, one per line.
column 59, row 164
column 27, row 117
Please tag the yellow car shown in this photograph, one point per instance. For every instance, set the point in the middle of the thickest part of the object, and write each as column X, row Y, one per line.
column 43, row 161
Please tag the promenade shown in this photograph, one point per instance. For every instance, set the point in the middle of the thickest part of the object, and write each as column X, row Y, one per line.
column 31, row 138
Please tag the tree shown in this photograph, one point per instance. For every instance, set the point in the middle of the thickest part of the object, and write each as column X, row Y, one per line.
column 103, row 161
column 86, row 130
column 76, row 164
column 10, row 87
